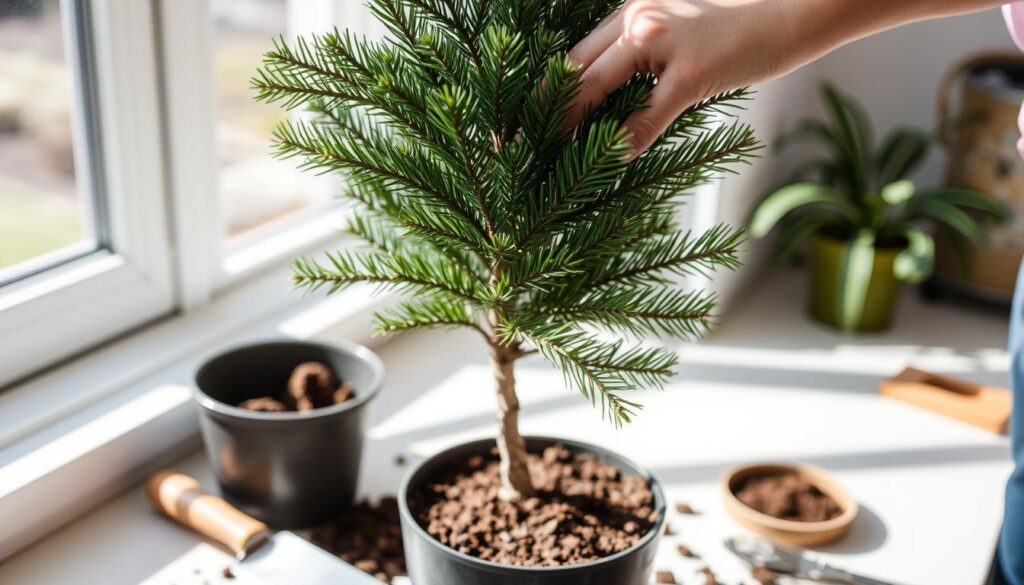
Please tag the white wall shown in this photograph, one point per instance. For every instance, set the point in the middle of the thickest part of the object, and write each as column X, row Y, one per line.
column 895, row 74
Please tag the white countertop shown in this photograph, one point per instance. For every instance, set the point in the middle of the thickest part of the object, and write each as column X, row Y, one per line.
column 769, row 385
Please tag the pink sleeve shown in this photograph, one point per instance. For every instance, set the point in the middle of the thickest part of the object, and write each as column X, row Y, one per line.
column 1014, row 15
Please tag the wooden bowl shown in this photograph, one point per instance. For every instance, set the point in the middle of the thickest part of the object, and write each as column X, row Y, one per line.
column 791, row 531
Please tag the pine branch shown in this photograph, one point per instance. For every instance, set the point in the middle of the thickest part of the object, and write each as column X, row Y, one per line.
column 450, row 112
column 441, row 13
column 503, row 79
column 410, row 272
column 601, row 371
column 376, row 232
column 587, row 167
column 697, row 116
column 452, row 66
column 546, row 110
column 593, row 243
column 670, row 171
column 473, row 196
column 654, row 311
column 438, row 311
column 378, row 161
column 329, row 70
column 401, row 22
column 680, row 253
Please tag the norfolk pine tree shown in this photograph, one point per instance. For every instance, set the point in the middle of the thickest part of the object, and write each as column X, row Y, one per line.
column 474, row 198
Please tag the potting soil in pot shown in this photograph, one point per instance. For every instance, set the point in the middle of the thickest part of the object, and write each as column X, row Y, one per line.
column 311, row 385
column 584, row 510
column 787, row 496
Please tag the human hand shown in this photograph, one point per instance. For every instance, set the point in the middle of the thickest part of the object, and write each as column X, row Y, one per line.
column 696, row 48
column 699, row 48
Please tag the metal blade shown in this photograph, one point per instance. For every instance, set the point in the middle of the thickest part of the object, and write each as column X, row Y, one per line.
column 765, row 553
column 289, row 558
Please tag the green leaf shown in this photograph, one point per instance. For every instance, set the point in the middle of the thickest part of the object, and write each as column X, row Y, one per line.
column 948, row 215
column 898, row 192
column 781, row 203
column 855, row 279
column 916, row 262
column 853, row 134
column 901, row 153
column 813, row 171
column 796, row 234
column 809, row 130
column 970, row 199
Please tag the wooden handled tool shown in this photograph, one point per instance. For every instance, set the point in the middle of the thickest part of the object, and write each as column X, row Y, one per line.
column 181, row 498
column 262, row 555
column 987, row 407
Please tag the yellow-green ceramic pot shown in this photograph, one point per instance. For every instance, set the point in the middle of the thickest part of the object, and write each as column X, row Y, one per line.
column 883, row 293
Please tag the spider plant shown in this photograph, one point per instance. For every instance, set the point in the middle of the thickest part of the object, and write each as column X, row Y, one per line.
column 857, row 197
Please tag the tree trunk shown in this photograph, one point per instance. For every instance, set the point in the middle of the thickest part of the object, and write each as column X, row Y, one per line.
column 515, row 476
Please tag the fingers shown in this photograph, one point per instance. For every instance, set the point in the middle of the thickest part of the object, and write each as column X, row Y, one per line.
column 610, row 71
column 589, row 49
column 668, row 99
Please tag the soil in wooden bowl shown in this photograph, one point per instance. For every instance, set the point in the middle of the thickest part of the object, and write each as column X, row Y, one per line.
column 786, row 495
column 311, row 385
column 584, row 510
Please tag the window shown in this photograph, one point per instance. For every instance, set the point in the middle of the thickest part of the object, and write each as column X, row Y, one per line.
column 88, row 249
column 256, row 192
column 135, row 170
column 46, row 208
column 257, row 210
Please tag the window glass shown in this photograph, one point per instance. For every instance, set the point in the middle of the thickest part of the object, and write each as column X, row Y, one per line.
column 43, row 209
column 257, row 192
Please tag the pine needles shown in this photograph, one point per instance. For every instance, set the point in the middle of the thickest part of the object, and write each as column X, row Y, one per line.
column 476, row 201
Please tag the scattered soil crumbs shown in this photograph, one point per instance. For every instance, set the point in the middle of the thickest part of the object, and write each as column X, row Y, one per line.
column 584, row 510
column 685, row 551
column 709, row 576
column 368, row 537
column 764, row 575
column 787, row 496
column 684, row 508
column 665, row 577
column 311, row 385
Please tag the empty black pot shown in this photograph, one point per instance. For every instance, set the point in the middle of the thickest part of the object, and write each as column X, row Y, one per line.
column 431, row 563
column 289, row 469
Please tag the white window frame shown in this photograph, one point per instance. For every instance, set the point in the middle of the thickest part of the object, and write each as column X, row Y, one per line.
column 102, row 421
column 154, row 110
column 68, row 309
column 187, row 47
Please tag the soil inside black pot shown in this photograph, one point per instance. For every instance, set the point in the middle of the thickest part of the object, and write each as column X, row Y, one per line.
column 311, row 385
column 788, row 496
column 584, row 510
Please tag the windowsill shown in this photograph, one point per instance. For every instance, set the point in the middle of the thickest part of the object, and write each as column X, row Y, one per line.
column 108, row 417
column 769, row 385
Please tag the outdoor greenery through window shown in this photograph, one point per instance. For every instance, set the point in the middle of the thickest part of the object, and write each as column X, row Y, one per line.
column 44, row 210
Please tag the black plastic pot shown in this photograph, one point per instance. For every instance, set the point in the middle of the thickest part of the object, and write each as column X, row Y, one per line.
column 431, row 563
column 289, row 469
